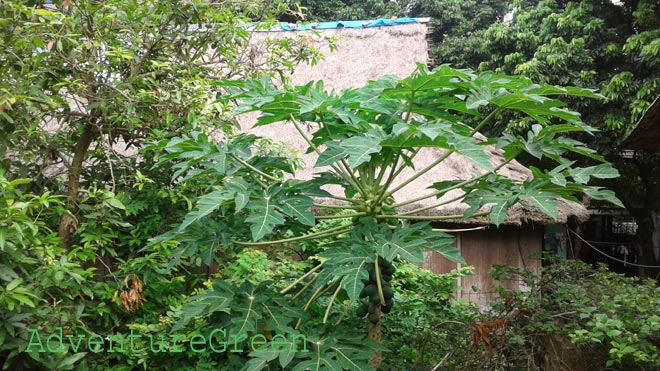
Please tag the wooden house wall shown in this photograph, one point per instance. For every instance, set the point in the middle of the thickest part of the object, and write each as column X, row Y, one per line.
column 484, row 248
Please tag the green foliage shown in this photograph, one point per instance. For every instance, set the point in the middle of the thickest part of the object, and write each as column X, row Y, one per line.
column 610, row 319
column 84, row 85
column 343, row 10
column 608, row 45
column 39, row 281
column 578, row 43
column 428, row 323
column 250, row 265
column 134, row 70
column 452, row 19
column 252, row 327
column 83, row 77
column 624, row 320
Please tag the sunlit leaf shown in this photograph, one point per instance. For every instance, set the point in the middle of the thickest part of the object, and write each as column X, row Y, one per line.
column 263, row 218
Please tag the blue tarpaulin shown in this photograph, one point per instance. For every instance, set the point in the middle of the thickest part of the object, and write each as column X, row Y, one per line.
column 345, row 24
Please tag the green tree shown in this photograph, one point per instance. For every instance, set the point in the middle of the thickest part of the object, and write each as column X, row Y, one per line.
column 84, row 79
column 341, row 10
column 364, row 139
column 85, row 84
column 453, row 20
column 608, row 321
column 611, row 46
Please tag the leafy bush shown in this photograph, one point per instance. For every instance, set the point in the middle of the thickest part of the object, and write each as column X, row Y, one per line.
column 429, row 323
column 603, row 320
column 41, row 284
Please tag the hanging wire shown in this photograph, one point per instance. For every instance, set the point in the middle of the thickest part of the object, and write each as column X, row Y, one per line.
column 610, row 256
column 609, row 243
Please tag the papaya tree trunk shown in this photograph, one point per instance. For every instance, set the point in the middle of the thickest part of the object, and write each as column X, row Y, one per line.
column 376, row 334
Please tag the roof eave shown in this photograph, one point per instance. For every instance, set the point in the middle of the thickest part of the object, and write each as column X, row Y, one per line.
column 646, row 134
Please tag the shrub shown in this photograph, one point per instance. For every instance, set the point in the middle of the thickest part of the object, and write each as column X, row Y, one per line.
column 602, row 320
column 430, row 323
column 40, row 283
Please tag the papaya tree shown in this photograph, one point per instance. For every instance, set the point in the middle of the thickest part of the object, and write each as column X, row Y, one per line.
column 363, row 139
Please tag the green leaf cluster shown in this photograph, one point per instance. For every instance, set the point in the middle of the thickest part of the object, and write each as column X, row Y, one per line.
column 254, row 313
column 605, row 315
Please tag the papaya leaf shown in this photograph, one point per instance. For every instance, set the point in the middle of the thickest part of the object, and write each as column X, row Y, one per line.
column 360, row 148
column 544, row 201
column 582, row 175
column 298, row 207
column 329, row 353
column 403, row 242
column 202, row 304
column 264, row 217
column 498, row 192
column 331, row 155
column 499, row 211
column 241, row 189
column 260, row 361
column 207, row 204
column 246, row 309
column 352, row 357
column 348, row 262
column 599, row 193
column 280, row 108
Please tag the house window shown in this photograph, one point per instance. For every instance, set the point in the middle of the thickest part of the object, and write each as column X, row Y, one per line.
column 623, row 226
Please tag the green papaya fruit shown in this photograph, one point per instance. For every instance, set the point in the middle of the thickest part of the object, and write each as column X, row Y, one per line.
column 375, row 298
column 371, row 268
column 388, row 293
column 362, row 310
column 368, row 290
column 389, row 270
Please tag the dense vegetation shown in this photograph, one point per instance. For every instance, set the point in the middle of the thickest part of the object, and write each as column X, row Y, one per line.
column 133, row 207
column 613, row 46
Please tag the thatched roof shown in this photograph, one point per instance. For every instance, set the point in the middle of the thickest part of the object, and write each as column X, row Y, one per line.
column 366, row 54
column 646, row 134
column 457, row 167
column 362, row 54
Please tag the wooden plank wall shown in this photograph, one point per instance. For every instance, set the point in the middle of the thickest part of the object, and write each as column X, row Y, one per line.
column 485, row 248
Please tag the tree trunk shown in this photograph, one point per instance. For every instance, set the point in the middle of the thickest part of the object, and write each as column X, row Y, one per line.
column 648, row 238
column 375, row 334
column 68, row 223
